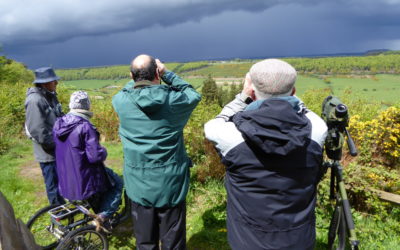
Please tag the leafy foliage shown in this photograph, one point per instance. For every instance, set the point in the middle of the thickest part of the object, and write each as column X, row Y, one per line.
column 209, row 91
column 379, row 138
column 199, row 149
column 14, row 79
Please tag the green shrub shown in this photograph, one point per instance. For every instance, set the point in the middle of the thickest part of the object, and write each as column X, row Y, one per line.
column 379, row 138
column 105, row 118
column 14, row 81
column 199, row 149
column 12, row 72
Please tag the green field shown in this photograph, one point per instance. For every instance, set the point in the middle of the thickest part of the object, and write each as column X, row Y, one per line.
column 223, row 70
column 383, row 88
column 98, row 84
column 94, row 84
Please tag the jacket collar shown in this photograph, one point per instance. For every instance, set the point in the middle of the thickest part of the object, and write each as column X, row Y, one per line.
column 144, row 83
column 294, row 101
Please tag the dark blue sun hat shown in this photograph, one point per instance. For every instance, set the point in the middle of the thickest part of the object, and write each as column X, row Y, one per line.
column 44, row 75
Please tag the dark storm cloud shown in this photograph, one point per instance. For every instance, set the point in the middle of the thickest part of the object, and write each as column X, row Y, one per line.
column 28, row 22
column 364, row 12
column 112, row 32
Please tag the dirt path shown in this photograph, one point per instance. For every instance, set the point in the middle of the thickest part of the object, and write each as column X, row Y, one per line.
column 31, row 171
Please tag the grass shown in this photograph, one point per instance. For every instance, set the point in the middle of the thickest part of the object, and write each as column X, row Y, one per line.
column 25, row 195
column 380, row 88
column 206, row 206
column 197, row 83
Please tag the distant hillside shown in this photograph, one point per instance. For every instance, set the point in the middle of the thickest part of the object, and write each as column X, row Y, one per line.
column 383, row 61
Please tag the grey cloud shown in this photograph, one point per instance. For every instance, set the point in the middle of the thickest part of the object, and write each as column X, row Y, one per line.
column 28, row 22
column 100, row 34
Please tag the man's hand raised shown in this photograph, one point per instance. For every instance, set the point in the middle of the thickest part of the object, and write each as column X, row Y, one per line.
column 160, row 67
column 248, row 87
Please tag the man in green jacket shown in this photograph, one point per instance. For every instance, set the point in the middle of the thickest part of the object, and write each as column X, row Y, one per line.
column 156, row 167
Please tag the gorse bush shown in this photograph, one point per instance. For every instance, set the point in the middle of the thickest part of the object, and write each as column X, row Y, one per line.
column 14, row 81
column 379, row 138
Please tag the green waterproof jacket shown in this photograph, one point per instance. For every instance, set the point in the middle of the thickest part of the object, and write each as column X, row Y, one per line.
column 152, row 118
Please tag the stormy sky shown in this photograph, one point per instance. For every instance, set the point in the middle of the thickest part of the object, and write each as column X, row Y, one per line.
column 73, row 33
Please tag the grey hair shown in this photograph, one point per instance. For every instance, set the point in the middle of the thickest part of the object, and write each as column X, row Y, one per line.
column 272, row 78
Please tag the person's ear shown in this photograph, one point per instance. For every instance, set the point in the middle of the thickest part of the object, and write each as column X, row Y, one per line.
column 293, row 91
column 157, row 77
column 157, row 74
column 253, row 95
column 130, row 73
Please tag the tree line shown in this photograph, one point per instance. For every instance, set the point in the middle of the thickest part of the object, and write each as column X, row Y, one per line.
column 388, row 62
column 222, row 94
column 118, row 72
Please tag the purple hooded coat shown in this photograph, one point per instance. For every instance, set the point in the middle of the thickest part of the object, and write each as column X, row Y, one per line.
column 79, row 156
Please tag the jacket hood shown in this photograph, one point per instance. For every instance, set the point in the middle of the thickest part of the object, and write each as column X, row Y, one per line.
column 65, row 125
column 34, row 90
column 148, row 96
column 39, row 90
column 275, row 127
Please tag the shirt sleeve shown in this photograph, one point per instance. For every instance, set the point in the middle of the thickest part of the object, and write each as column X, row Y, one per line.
column 222, row 132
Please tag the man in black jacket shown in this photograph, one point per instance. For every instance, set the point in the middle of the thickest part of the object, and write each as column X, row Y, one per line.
column 272, row 148
column 42, row 109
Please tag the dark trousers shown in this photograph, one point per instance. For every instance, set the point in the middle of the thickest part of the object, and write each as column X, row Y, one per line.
column 152, row 225
column 49, row 172
column 111, row 199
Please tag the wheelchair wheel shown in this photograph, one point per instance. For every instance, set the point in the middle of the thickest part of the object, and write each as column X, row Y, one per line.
column 41, row 227
column 337, row 230
column 85, row 237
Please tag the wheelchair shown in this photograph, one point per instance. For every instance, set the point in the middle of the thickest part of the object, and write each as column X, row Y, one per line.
column 73, row 225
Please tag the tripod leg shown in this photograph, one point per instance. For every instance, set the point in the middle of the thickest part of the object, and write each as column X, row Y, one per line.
column 337, row 230
column 349, row 222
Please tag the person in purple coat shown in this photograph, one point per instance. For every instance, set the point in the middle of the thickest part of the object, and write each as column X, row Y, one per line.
column 81, row 172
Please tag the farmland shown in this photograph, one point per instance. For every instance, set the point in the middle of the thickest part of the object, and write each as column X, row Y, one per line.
column 383, row 88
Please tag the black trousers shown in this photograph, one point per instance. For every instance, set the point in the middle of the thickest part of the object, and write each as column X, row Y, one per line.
column 152, row 225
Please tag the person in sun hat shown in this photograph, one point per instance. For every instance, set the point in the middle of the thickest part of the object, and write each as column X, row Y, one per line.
column 272, row 148
column 80, row 160
column 41, row 111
